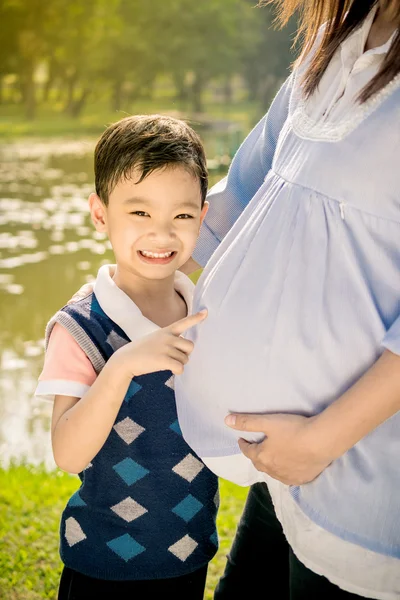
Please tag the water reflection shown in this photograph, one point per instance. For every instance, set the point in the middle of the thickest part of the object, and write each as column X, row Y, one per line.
column 48, row 248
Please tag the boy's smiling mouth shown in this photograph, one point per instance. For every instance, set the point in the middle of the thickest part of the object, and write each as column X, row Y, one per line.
column 159, row 258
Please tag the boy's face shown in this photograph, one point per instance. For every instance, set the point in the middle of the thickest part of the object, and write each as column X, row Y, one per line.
column 152, row 225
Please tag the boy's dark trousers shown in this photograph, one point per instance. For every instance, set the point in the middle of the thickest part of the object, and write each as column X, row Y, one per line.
column 262, row 565
column 75, row 586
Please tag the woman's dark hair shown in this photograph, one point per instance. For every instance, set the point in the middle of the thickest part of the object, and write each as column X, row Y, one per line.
column 342, row 17
column 147, row 143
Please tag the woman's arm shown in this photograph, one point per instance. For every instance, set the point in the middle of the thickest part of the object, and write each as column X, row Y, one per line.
column 297, row 449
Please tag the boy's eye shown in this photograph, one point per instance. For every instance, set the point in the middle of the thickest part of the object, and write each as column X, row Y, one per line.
column 140, row 213
column 184, row 216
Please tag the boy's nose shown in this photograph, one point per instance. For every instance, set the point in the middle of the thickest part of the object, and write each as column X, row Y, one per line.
column 162, row 232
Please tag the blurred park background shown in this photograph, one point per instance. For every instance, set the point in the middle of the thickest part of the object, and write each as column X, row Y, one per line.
column 68, row 68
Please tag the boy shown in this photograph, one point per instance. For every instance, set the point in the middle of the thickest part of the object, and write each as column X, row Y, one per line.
column 143, row 520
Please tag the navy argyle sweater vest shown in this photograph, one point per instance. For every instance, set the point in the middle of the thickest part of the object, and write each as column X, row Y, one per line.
column 146, row 508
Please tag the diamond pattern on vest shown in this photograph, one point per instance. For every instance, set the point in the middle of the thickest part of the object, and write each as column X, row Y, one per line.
column 133, row 389
column 189, row 467
column 115, row 340
column 188, row 508
column 214, row 538
column 125, row 547
column 183, row 547
column 73, row 532
column 176, row 427
column 76, row 500
column 128, row 430
column 130, row 471
column 129, row 509
column 170, row 382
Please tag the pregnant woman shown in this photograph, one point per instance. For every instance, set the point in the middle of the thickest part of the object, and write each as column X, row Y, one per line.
column 302, row 285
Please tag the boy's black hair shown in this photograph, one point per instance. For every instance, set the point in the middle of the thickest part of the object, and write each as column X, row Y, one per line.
column 147, row 143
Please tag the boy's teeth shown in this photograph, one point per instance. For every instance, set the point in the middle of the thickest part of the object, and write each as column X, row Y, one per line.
column 155, row 254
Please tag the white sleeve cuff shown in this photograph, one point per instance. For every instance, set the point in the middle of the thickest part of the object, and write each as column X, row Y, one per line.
column 47, row 390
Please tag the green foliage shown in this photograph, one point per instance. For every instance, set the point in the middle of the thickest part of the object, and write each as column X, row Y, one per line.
column 31, row 502
column 268, row 55
column 71, row 52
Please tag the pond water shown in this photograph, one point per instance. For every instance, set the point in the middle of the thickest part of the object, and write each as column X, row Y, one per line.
column 48, row 249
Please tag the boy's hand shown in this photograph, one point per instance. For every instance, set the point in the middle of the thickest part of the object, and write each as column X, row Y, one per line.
column 163, row 350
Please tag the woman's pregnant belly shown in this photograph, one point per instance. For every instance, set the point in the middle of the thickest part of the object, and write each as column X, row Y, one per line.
column 291, row 320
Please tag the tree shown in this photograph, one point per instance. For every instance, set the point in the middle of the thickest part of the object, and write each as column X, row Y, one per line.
column 267, row 57
column 8, row 41
column 76, row 46
column 201, row 38
column 28, row 19
column 128, row 53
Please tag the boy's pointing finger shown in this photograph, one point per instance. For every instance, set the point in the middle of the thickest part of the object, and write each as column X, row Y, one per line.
column 182, row 325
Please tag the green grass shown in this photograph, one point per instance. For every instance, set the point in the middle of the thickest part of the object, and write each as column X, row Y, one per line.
column 31, row 502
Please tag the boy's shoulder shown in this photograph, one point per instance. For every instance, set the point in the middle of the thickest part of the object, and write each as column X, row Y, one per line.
column 85, row 320
column 87, row 307
column 75, row 311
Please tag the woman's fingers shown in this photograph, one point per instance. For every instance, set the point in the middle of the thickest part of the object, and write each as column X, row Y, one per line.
column 84, row 291
column 249, row 422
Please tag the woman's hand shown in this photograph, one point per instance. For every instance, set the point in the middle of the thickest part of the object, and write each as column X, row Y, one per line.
column 290, row 451
column 87, row 288
column 83, row 291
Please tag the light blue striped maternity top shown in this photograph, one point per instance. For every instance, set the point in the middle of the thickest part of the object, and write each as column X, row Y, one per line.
column 303, row 294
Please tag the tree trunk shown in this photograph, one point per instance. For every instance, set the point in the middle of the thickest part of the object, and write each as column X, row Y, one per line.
column 59, row 91
column 182, row 92
column 228, row 91
column 117, row 95
column 252, row 78
column 267, row 89
column 46, row 89
column 78, row 105
column 197, row 93
column 71, row 83
column 29, row 92
column 50, row 80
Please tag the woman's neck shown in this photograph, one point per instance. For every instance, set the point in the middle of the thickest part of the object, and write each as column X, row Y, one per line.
column 382, row 29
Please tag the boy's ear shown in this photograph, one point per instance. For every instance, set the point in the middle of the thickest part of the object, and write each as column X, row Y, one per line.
column 204, row 211
column 98, row 213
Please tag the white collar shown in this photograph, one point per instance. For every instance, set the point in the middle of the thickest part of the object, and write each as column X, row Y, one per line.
column 354, row 45
column 123, row 311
